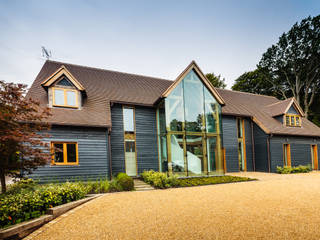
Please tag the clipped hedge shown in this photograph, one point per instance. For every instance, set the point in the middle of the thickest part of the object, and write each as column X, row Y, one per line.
column 125, row 182
column 24, row 204
column 298, row 169
column 161, row 180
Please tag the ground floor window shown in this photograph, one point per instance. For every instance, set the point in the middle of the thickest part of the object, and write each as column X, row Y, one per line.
column 286, row 155
column 314, row 157
column 64, row 153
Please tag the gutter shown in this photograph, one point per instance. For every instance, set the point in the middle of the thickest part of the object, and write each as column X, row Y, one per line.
column 268, row 152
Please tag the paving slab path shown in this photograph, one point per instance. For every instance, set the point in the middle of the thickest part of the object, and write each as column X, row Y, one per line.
column 278, row 207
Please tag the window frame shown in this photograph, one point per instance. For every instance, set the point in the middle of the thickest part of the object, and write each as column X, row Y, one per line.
column 65, row 154
column 286, row 152
column 65, row 90
column 295, row 117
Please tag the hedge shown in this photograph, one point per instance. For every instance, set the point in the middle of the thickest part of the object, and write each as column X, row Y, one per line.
column 298, row 169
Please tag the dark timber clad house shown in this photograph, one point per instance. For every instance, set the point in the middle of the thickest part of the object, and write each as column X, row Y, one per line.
column 105, row 122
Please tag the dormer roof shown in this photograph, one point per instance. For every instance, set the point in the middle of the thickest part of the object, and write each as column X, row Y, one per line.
column 282, row 107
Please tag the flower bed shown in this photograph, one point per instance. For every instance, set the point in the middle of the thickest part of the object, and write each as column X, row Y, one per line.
column 27, row 200
column 298, row 169
column 161, row 180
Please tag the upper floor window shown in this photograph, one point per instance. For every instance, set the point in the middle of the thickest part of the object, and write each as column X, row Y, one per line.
column 64, row 97
column 128, row 119
column 293, row 120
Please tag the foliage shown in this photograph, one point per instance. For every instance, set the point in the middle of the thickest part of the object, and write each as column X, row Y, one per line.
column 27, row 183
column 255, row 82
column 99, row 186
column 26, row 203
column 158, row 179
column 125, row 182
column 21, row 123
column 198, row 181
column 161, row 180
column 291, row 67
column 298, row 169
column 216, row 81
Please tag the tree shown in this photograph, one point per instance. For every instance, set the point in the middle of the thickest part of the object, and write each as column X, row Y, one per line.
column 293, row 64
column 216, row 81
column 21, row 124
column 255, row 82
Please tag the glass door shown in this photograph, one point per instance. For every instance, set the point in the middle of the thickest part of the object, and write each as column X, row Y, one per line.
column 130, row 158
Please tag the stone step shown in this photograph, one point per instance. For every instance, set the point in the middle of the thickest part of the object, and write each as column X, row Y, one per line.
column 141, row 185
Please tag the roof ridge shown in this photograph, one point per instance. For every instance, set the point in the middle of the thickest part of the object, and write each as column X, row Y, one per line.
column 107, row 70
column 256, row 94
column 280, row 101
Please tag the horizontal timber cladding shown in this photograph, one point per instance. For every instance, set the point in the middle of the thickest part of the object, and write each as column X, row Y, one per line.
column 92, row 152
column 146, row 138
column 117, row 140
column 260, row 146
column 230, row 142
column 249, row 154
column 300, row 150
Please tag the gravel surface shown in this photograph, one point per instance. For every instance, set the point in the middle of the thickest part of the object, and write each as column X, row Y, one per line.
column 277, row 207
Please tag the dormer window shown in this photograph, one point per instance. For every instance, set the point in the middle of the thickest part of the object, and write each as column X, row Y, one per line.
column 64, row 90
column 64, row 97
column 293, row 120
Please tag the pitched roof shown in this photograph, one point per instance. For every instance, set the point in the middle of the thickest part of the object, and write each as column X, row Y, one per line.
column 282, row 107
column 104, row 87
column 258, row 107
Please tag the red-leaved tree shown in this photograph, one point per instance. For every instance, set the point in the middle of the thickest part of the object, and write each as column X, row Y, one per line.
column 21, row 138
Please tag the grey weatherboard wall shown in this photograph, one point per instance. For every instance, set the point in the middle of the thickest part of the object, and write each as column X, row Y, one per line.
column 146, row 139
column 230, row 142
column 260, row 146
column 300, row 150
column 92, row 153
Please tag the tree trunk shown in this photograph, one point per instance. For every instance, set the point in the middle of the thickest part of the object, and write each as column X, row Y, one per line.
column 3, row 182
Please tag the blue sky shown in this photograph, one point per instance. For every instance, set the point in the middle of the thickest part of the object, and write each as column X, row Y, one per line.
column 155, row 38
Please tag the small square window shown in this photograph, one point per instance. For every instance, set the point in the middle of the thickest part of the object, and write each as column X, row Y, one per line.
column 64, row 153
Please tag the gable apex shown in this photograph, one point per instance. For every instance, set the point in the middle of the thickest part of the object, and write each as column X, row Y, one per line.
column 59, row 73
column 194, row 66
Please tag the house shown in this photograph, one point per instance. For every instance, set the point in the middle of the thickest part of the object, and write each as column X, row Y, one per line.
column 105, row 122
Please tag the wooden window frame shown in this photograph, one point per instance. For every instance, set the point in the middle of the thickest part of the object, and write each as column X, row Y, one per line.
column 294, row 124
column 131, row 136
column 314, row 156
column 288, row 153
column 65, row 90
column 65, row 154
column 243, row 140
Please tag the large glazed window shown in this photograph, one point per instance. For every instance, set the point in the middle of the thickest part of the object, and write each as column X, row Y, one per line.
column 193, row 95
column 189, row 130
column 128, row 121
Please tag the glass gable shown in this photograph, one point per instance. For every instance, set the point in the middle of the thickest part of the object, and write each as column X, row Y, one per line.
column 189, row 130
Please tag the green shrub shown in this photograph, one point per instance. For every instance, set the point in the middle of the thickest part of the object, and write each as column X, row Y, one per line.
column 159, row 180
column 25, row 204
column 26, row 183
column 101, row 186
column 298, row 169
column 125, row 182
column 114, row 186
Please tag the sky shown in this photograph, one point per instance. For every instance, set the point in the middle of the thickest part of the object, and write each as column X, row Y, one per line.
column 147, row 37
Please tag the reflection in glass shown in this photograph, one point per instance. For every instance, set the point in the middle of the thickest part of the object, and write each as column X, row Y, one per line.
column 174, row 109
column 71, row 98
column 58, row 153
column 195, row 155
column 163, row 153
column 210, row 110
column 128, row 122
column 58, row 97
column 71, row 152
column 177, row 158
column 193, row 96
column 212, row 153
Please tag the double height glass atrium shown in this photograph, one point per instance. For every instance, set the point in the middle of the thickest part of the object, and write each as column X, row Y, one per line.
column 189, row 129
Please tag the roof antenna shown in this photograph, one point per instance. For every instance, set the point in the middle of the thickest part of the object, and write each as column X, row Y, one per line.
column 46, row 53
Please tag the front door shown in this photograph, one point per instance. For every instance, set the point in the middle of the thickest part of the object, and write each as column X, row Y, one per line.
column 130, row 158
column 314, row 156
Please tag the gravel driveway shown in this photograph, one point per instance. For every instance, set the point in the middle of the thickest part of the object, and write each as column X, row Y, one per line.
column 277, row 207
